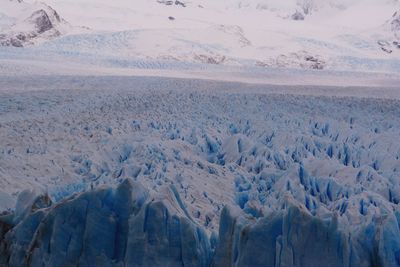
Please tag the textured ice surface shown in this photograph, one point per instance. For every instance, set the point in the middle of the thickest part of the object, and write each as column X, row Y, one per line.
column 127, row 226
column 294, row 237
column 107, row 227
column 305, row 175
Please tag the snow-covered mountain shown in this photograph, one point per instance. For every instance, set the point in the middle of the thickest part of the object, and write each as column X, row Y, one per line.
column 330, row 34
column 24, row 24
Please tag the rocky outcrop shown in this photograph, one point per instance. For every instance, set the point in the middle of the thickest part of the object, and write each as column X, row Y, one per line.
column 297, row 16
column 170, row 3
column 42, row 21
column 395, row 25
column 300, row 59
column 214, row 59
column 392, row 44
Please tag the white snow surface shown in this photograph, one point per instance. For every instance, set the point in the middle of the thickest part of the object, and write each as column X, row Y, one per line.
column 334, row 35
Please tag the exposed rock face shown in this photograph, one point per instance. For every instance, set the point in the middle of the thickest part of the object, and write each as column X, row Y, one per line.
column 42, row 21
column 300, row 59
column 395, row 24
column 210, row 59
column 16, row 41
column 170, row 3
column 385, row 46
column 391, row 45
column 298, row 16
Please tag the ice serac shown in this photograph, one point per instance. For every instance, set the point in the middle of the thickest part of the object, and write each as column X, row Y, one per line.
column 107, row 227
column 290, row 237
column 294, row 237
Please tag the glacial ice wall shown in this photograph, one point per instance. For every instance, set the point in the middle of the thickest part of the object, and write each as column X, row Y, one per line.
column 107, row 227
column 294, row 237
column 126, row 226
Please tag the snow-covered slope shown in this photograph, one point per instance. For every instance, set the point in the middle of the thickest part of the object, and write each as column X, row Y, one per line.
column 23, row 24
column 340, row 35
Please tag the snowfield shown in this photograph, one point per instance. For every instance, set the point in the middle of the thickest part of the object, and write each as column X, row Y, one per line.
column 354, row 35
column 236, row 174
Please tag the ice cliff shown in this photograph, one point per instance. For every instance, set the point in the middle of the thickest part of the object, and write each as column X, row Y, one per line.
column 106, row 227
column 127, row 226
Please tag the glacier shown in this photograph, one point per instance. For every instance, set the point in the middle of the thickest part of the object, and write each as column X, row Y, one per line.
column 152, row 171
column 200, row 133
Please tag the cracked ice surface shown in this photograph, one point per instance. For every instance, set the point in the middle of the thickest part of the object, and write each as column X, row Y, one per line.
column 331, row 161
column 217, row 144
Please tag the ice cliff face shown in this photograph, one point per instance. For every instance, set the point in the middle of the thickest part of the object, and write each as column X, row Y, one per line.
column 290, row 237
column 126, row 226
column 107, row 227
column 294, row 237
